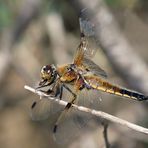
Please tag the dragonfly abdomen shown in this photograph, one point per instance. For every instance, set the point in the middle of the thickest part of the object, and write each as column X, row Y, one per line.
column 133, row 95
column 105, row 86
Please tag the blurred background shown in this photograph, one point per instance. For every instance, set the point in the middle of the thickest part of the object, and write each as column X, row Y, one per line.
column 34, row 33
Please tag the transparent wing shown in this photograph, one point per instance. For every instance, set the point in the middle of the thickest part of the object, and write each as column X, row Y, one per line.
column 93, row 68
column 76, row 123
column 88, row 44
column 87, row 29
column 42, row 108
column 85, row 49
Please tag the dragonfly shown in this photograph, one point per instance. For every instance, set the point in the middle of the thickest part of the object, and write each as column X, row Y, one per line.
column 81, row 74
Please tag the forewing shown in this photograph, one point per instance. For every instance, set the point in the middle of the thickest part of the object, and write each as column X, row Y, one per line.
column 88, row 44
column 87, row 29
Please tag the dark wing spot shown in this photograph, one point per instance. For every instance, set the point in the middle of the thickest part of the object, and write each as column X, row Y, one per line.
column 33, row 104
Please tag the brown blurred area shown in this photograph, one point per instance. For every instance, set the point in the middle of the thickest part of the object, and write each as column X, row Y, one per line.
column 34, row 33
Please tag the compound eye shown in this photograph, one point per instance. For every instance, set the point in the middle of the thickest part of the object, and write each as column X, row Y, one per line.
column 44, row 68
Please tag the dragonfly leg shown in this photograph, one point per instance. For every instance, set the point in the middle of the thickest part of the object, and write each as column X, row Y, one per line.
column 61, row 92
column 69, row 104
column 44, row 85
column 66, row 87
column 53, row 92
column 50, row 91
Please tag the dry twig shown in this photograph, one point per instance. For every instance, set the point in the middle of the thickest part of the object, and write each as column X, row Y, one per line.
column 105, row 134
column 100, row 114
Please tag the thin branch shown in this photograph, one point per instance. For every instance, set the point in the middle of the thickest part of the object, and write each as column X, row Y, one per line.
column 100, row 114
column 105, row 134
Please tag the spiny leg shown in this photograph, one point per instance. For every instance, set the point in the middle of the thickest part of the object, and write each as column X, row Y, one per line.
column 43, row 84
column 77, row 87
column 48, row 92
column 61, row 92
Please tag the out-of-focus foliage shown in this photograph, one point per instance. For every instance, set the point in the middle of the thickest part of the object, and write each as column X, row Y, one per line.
column 113, row 2
column 5, row 15
column 122, row 3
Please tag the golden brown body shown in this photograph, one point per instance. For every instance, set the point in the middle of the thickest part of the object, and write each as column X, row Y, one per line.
column 93, row 82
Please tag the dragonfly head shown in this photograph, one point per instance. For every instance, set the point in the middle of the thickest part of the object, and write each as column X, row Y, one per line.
column 48, row 74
